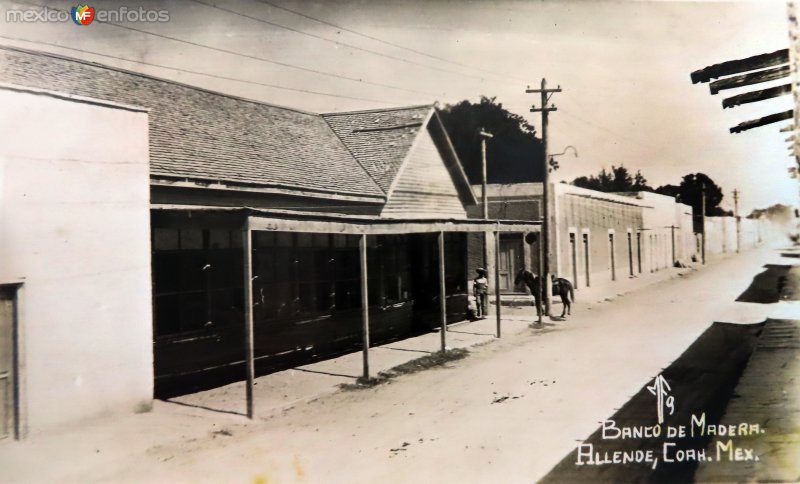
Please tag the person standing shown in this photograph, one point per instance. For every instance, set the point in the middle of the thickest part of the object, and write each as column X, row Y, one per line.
column 480, row 289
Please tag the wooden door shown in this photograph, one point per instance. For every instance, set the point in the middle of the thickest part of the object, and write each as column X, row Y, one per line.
column 511, row 261
column 7, row 398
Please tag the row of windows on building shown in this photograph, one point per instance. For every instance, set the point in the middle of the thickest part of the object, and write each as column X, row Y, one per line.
column 198, row 276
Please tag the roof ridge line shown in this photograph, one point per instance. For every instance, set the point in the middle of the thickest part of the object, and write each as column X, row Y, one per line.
column 150, row 76
column 378, row 110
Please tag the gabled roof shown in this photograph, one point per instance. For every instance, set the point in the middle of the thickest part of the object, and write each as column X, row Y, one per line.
column 209, row 137
column 380, row 139
column 199, row 134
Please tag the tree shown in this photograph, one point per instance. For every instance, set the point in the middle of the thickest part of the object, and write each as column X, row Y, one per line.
column 618, row 179
column 640, row 183
column 690, row 192
column 514, row 154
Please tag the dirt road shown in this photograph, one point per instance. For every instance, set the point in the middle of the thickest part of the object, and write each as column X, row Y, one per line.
column 509, row 412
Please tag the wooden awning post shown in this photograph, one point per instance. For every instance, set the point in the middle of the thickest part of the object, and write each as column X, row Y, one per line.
column 248, row 314
column 442, row 292
column 364, row 303
column 539, row 298
column 497, row 278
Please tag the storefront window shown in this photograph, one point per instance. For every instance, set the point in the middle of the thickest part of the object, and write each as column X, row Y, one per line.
column 197, row 280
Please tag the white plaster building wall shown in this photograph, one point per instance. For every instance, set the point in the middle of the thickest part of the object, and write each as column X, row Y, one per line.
column 75, row 224
column 598, row 215
column 721, row 233
column 751, row 230
column 686, row 246
column 659, row 218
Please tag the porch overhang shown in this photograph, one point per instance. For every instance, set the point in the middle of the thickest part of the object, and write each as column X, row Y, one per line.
column 253, row 220
column 295, row 221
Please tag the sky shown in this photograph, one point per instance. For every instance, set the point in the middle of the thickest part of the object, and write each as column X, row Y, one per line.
column 623, row 67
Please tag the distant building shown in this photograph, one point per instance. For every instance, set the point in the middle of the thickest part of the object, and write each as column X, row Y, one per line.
column 597, row 237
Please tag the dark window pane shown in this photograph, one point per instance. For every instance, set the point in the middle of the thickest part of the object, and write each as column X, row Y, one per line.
column 303, row 240
column 264, row 264
column 339, row 241
column 392, row 290
column 348, row 294
column 354, row 292
column 193, row 276
column 167, row 315
column 236, row 239
column 323, row 264
column 374, row 292
column 166, row 272
column 191, row 239
column 225, row 269
column 346, row 264
column 263, row 239
column 284, row 239
column 305, row 263
column 324, row 295
column 193, row 311
column 226, row 306
column 321, row 240
column 276, row 299
column 165, row 239
column 219, row 239
column 308, row 298
column 284, row 265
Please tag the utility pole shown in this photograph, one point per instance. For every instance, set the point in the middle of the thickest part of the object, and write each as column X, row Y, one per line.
column 544, row 284
column 738, row 220
column 484, row 199
column 672, row 239
column 703, row 218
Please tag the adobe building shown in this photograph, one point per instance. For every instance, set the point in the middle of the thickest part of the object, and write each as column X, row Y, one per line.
column 597, row 237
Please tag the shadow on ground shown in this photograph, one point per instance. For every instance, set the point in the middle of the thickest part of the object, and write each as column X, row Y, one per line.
column 203, row 407
column 776, row 283
column 701, row 380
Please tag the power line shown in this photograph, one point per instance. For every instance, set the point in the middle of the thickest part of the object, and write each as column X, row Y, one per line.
column 343, row 44
column 617, row 135
column 189, row 71
column 386, row 42
column 249, row 56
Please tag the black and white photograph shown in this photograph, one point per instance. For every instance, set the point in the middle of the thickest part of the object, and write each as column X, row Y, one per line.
column 399, row 241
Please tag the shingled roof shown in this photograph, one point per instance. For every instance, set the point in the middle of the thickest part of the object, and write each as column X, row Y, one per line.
column 201, row 135
column 381, row 138
column 198, row 134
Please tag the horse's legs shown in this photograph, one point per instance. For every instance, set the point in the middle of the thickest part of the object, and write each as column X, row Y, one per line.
column 538, row 306
column 567, row 304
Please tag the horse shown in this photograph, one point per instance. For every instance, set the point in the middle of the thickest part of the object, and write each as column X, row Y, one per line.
column 561, row 287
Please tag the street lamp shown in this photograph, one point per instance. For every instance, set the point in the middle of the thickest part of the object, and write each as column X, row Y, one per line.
column 553, row 164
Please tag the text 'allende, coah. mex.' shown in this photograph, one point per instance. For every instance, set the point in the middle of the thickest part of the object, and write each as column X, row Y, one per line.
column 672, row 451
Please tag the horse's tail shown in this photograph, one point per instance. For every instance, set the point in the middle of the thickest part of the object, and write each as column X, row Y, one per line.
column 571, row 292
